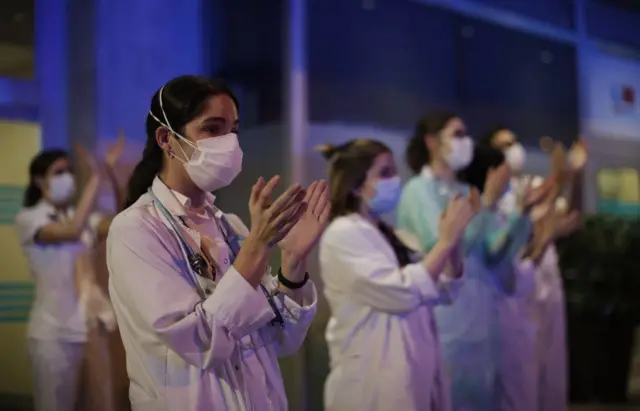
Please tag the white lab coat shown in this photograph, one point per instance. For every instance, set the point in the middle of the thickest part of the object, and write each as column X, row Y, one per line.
column 56, row 331
column 185, row 353
column 383, row 343
column 532, row 373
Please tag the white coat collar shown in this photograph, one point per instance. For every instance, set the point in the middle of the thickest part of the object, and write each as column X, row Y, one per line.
column 175, row 202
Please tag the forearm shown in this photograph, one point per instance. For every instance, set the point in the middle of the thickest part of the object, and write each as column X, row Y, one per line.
column 252, row 260
column 293, row 270
column 437, row 258
column 455, row 266
column 119, row 190
column 86, row 203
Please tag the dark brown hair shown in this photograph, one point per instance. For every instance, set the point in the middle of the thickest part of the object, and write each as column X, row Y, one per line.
column 183, row 99
column 38, row 168
column 417, row 154
column 348, row 167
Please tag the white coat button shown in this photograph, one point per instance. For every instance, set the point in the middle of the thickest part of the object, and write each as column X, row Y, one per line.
column 207, row 291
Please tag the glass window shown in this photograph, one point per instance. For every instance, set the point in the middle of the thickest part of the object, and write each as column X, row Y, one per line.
column 557, row 12
column 619, row 191
column 514, row 78
column 17, row 38
column 383, row 62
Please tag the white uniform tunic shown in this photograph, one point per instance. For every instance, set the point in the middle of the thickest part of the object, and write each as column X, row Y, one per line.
column 383, row 343
column 184, row 352
column 56, row 331
column 533, row 371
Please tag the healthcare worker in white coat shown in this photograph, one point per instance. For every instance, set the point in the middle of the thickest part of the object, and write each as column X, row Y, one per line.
column 201, row 319
column 469, row 330
column 54, row 232
column 383, row 343
column 534, row 343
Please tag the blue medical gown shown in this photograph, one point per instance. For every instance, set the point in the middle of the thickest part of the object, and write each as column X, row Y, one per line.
column 468, row 328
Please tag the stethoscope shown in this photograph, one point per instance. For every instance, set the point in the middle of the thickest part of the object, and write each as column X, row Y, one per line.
column 198, row 263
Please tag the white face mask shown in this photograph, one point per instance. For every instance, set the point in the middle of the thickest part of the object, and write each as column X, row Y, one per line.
column 460, row 153
column 61, row 188
column 215, row 162
column 516, row 156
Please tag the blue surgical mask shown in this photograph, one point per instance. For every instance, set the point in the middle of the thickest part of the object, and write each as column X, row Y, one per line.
column 387, row 195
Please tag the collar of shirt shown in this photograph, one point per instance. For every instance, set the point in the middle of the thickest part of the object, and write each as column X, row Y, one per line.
column 52, row 212
column 177, row 203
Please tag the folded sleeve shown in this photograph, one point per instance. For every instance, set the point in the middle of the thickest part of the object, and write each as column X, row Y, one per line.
column 150, row 287
column 448, row 289
column 351, row 263
column 28, row 222
column 297, row 317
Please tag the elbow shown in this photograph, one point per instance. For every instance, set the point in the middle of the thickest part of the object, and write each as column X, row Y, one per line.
column 200, row 353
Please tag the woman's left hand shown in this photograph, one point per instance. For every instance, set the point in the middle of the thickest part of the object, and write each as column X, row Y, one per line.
column 114, row 152
column 297, row 244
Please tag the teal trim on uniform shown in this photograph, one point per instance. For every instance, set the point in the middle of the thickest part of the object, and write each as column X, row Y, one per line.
column 10, row 203
column 16, row 298
column 618, row 208
column 12, row 285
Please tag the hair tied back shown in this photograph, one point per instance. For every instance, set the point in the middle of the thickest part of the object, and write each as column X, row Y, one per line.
column 328, row 151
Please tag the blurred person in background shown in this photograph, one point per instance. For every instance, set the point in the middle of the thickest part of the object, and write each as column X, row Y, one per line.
column 383, row 343
column 537, row 321
column 469, row 331
column 105, row 370
column 55, row 233
column 201, row 318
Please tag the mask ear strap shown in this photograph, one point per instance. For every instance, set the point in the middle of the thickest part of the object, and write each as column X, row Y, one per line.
column 166, row 124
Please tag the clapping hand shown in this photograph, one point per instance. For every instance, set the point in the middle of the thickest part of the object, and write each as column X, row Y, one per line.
column 495, row 185
column 306, row 232
column 457, row 215
column 578, row 156
column 86, row 159
column 114, row 152
column 271, row 222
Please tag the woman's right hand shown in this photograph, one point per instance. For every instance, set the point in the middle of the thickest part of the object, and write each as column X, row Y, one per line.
column 457, row 215
column 270, row 222
column 495, row 185
column 86, row 159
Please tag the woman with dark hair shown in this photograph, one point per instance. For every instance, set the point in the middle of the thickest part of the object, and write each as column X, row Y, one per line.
column 384, row 349
column 54, row 233
column 534, row 322
column 437, row 152
column 201, row 319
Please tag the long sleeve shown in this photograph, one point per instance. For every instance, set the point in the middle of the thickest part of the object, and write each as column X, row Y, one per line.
column 420, row 215
column 151, row 292
column 354, row 262
column 503, row 243
column 297, row 318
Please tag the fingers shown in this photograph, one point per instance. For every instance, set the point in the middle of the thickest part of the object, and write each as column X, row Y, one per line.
column 321, row 200
column 255, row 190
column 287, row 220
column 474, row 199
column 264, row 196
column 294, row 195
column 317, row 198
